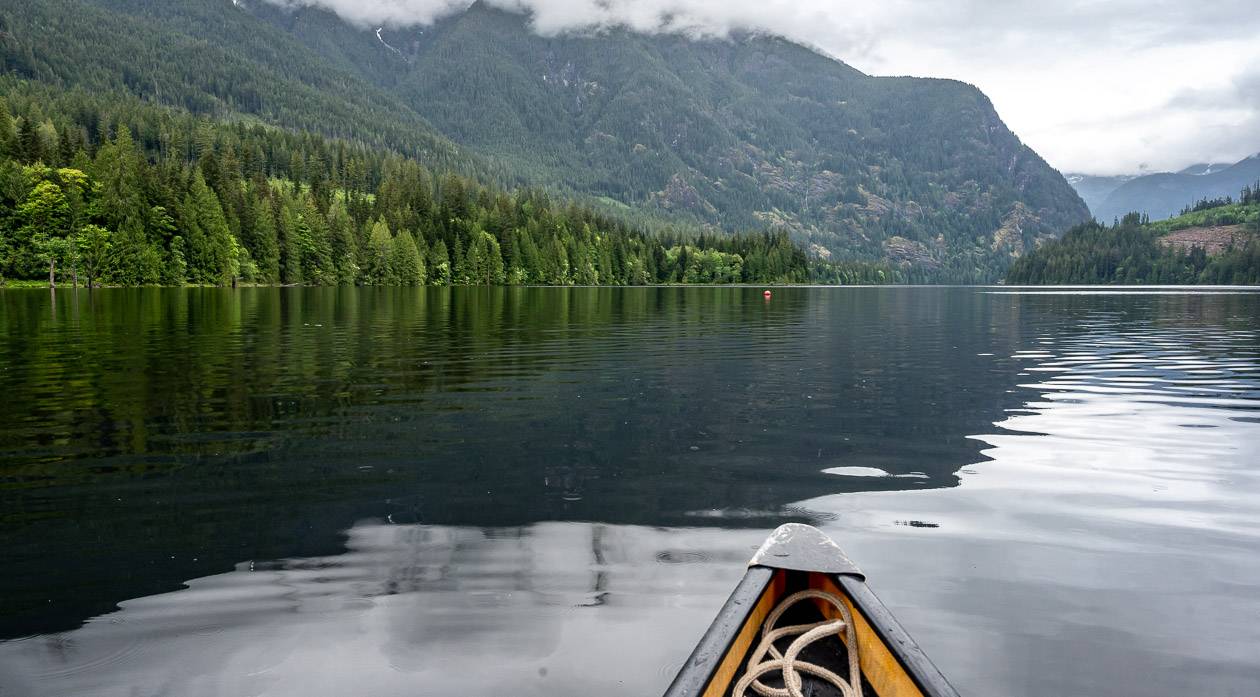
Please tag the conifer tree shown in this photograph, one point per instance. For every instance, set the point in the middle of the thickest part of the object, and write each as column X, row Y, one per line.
column 377, row 270
column 211, row 256
column 406, row 265
column 8, row 132
column 258, row 235
column 342, row 242
column 287, row 236
column 120, row 186
column 94, row 245
column 313, row 247
column 439, row 259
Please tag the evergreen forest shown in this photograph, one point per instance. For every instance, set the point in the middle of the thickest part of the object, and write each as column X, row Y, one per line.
column 1135, row 250
column 106, row 189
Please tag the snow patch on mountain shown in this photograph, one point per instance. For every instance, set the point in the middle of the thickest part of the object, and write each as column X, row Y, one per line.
column 384, row 42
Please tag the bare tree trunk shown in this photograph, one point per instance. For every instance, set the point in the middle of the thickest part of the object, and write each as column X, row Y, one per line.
column 52, row 273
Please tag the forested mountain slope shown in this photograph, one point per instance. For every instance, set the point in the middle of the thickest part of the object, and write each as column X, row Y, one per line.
column 1213, row 242
column 209, row 57
column 753, row 132
column 110, row 189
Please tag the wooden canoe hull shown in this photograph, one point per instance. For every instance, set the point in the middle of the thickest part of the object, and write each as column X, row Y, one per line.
column 891, row 662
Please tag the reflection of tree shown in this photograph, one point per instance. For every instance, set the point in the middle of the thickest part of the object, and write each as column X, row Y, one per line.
column 167, row 434
column 599, row 570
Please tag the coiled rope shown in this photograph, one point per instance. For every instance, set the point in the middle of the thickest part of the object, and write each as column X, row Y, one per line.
column 786, row 662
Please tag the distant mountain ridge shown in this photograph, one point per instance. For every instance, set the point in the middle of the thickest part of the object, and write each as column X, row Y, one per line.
column 1163, row 195
column 1202, row 168
column 751, row 132
column 1095, row 189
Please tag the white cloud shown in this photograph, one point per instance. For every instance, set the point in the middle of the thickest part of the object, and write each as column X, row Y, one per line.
column 383, row 12
column 1098, row 87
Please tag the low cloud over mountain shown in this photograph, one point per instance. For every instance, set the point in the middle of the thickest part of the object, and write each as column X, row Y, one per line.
column 1118, row 86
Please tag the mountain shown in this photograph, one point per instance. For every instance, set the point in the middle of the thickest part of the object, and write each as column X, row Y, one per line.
column 1201, row 168
column 211, row 58
column 750, row 132
column 1164, row 195
column 1095, row 189
column 737, row 133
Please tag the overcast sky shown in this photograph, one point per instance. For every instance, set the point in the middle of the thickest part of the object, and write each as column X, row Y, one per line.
column 1095, row 86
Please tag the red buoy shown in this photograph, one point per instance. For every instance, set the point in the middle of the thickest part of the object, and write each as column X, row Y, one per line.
column 767, row 294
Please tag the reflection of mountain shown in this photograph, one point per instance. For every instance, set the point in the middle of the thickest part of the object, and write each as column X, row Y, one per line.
column 171, row 434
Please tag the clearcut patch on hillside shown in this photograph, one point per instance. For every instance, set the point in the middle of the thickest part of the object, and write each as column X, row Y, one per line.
column 1213, row 239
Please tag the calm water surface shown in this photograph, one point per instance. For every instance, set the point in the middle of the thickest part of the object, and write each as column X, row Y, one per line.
column 551, row 491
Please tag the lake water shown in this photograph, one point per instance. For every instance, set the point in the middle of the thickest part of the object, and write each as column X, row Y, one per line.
column 334, row 492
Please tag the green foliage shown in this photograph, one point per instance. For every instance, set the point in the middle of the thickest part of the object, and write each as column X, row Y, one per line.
column 377, row 268
column 405, row 261
column 1134, row 251
column 209, row 58
column 43, row 215
column 310, row 243
column 94, row 246
column 1204, row 204
column 740, row 133
column 483, row 261
column 214, row 212
column 748, row 133
column 341, row 239
column 205, row 231
column 439, row 265
column 1225, row 214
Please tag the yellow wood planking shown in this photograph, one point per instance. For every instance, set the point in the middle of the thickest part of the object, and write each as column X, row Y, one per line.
column 881, row 668
column 732, row 663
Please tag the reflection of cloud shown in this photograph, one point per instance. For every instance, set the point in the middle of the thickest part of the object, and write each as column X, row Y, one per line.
column 1118, row 515
column 406, row 610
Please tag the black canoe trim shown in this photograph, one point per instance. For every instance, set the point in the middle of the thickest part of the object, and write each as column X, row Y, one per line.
column 703, row 663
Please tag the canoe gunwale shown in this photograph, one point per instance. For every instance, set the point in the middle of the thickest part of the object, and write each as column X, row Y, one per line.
column 913, row 661
column 698, row 672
